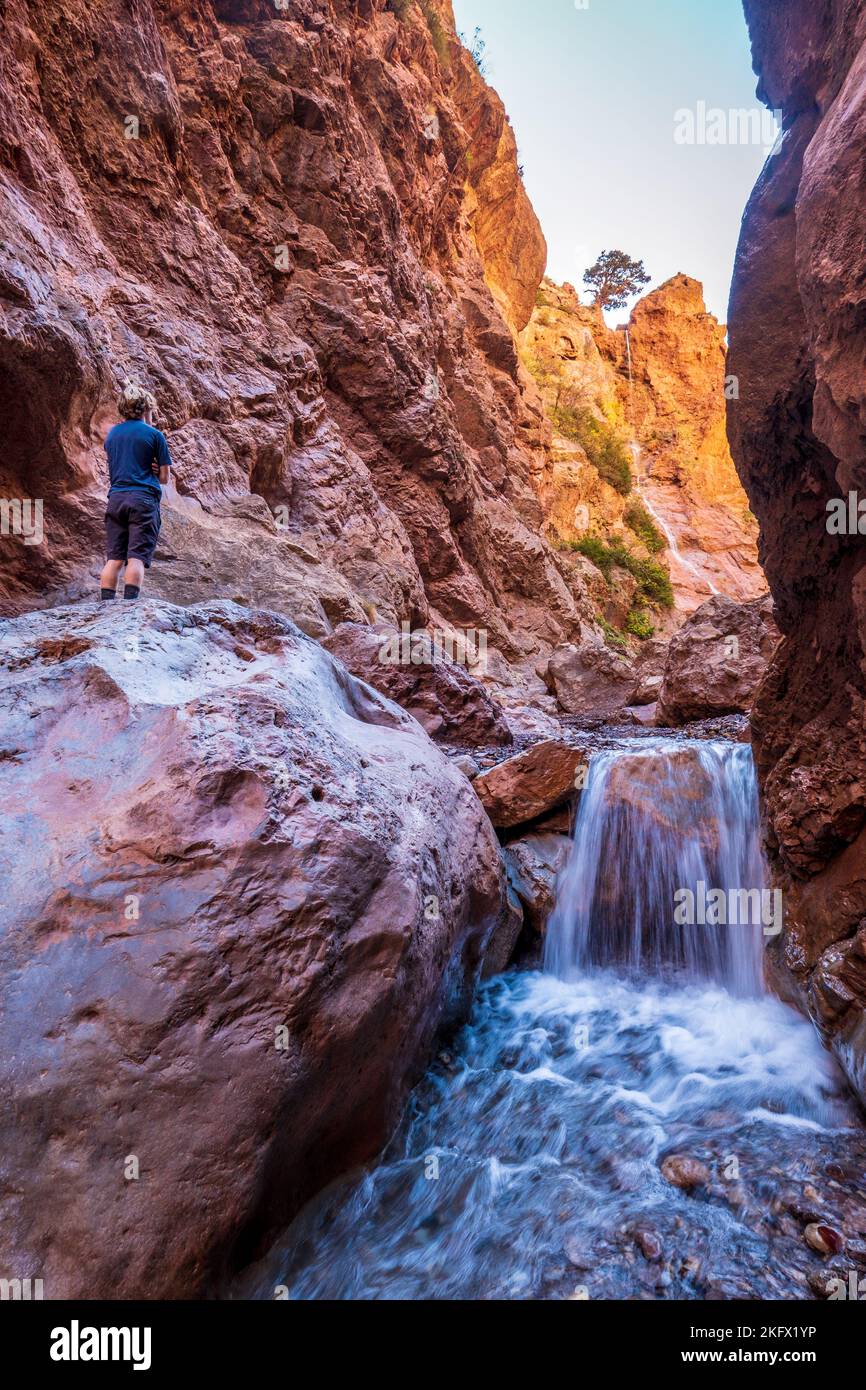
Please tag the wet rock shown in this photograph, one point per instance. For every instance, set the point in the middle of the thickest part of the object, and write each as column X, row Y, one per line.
column 533, row 865
column 736, row 1195
column 677, row 798
column 717, row 660
column 522, row 788
column 503, row 941
column 805, row 1207
column 684, row 1172
column 263, row 874
column 557, row 822
column 443, row 695
column 650, row 1245
column 823, row 1282
column 825, row 1239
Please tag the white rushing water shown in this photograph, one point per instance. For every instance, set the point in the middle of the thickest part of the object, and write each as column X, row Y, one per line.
column 652, row 820
column 703, row 580
column 529, row 1164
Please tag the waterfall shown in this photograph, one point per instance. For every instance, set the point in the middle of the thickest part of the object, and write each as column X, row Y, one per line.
column 534, row 1160
column 672, row 544
column 657, row 820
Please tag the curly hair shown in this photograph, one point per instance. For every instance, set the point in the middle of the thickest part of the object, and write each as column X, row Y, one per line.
column 134, row 401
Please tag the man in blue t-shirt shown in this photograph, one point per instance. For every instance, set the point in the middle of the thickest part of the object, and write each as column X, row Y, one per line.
column 138, row 467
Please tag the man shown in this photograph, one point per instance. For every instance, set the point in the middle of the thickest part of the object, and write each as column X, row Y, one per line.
column 138, row 467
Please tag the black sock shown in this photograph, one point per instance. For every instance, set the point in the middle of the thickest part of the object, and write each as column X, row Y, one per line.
column 131, row 590
column 108, row 593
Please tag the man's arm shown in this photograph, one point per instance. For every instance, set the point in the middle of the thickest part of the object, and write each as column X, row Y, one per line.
column 163, row 460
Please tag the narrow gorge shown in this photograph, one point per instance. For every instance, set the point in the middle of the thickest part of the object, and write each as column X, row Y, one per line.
column 446, row 879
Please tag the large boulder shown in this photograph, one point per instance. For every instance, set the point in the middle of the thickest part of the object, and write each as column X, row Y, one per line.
column 443, row 695
column 589, row 679
column 523, row 788
column 241, row 891
column 717, row 660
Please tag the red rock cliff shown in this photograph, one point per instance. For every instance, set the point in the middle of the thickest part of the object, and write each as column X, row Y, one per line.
column 798, row 346
column 305, row 228
column 660, row 381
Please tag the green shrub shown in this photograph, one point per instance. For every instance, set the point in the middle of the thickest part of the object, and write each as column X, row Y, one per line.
column 601, row 443
column 653, row 579
column 594, row 548
column 638, row 520
column 638, row 624
column 401, row 7
column 612, row 635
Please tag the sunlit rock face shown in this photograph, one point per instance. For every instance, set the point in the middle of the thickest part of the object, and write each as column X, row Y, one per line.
column 306, row 229
column 241, row 892
column 798, row 346
column 661, row 379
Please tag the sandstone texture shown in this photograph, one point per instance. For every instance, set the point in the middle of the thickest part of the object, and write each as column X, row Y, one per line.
column 446, row 699
column 588, row 678
column 242, row 890
column 798, row 347
column 525, row 787
column 685, row 473
column 305, row 229
column 660, row 382
column 717, row 660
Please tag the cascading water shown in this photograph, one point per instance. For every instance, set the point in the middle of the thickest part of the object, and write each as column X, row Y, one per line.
column 641, row 480
column 653, row 821
column 542, row 1158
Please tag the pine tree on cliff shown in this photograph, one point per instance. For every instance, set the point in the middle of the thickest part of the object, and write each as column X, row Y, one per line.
column 614, row 278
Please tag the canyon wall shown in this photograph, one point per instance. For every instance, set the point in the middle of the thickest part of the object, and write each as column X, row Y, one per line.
column 659, row 381
column 304, row 226
column 798, row 431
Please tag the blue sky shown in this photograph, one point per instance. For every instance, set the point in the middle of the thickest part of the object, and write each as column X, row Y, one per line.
column 593, row 94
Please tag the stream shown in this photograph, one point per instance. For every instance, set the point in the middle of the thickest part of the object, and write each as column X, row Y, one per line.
column 531, row 1161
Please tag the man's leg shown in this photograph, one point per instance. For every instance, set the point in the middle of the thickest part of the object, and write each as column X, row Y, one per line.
column 144, row 524
column 134, row 578
column 109, row 577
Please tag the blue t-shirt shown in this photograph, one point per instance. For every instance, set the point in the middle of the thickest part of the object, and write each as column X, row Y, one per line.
column 132, row 448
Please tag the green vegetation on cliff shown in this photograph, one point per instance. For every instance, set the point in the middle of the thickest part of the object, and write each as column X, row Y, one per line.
column 653, row 579
column 601, row 442
column 638, row 520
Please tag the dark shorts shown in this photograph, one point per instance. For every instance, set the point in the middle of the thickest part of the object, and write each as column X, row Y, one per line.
column 132, row 522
